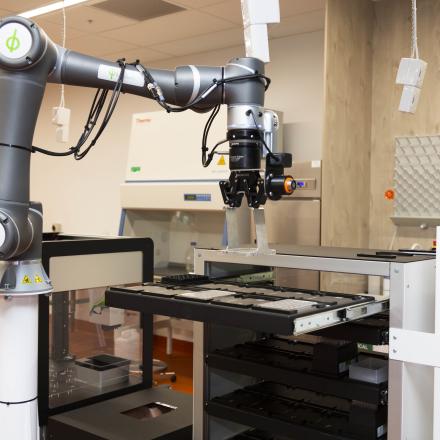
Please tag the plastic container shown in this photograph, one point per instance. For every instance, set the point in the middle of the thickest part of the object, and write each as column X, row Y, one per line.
column 371, row 370
column 102, row 370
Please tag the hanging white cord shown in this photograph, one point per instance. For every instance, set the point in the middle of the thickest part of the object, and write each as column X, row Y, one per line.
column 62, row 100
column 414, row 38
column 393, row 239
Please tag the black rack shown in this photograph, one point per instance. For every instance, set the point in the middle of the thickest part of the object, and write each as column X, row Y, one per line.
column 250, row 317
column 373, row 330
column 298, row 414
column 292, row 363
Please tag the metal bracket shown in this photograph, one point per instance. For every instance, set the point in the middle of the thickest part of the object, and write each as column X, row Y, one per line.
column 415, row 347
column 234, row 242
column 261, row 233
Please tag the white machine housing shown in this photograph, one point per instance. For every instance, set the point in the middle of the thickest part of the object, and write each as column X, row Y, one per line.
column 168, row 194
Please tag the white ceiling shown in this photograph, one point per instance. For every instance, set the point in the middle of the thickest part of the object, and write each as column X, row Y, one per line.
column 205, row 25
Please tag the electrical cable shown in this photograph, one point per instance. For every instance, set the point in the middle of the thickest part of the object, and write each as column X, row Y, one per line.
column 157, row 94
column 95, row 111
column 62, row 97
column 414, row 37
column 269, row 152
column 206, row 161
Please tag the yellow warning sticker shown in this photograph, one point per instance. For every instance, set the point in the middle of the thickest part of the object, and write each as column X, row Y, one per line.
column 222, row 160
column 26, row 280
column 38, row 279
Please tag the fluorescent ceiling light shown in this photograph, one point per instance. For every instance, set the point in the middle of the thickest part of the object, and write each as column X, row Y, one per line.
column 50, row 8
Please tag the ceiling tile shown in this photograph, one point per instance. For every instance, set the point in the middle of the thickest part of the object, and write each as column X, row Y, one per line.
column 289, row 7
column 22, row 5
column 170, row 28
column 194, row 4
column 89, row 19
column 298, row 24
column 204, row 43
column 97, row 45
column 55, row 31
column 228, row 10
column 144, row 54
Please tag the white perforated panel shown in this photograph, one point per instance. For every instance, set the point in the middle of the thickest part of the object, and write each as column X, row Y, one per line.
column 417, row 180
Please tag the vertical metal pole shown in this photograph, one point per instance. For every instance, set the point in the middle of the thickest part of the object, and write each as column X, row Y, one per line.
column 199, row 363
column 436, row 412
column 411, row 386
column 60, row 325
column 260, row 228
column 232, row 228
column 396, row 368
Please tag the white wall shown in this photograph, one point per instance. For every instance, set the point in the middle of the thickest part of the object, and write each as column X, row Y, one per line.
column 84, row 196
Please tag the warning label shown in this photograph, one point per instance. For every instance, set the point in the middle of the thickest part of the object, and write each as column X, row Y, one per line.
column 26, row 280
column 222, row 160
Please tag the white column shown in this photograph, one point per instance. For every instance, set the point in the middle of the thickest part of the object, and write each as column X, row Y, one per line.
column 19, row 367
column 436, row 412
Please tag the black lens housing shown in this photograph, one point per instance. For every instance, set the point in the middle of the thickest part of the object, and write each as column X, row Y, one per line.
column 244, row 150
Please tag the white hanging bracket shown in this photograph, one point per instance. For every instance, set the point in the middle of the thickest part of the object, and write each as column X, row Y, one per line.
column 257, row 14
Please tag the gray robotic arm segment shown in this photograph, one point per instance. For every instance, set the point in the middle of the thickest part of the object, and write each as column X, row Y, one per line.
column 22, row 84
column 179, row 87
column 15, row 228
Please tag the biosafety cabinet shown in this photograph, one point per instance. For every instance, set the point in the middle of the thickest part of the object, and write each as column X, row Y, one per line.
column 169, row 196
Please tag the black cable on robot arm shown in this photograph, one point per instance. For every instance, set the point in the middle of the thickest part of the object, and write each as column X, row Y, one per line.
column 81, row 70
column 93, row 117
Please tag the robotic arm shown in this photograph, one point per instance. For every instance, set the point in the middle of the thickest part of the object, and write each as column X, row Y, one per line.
column 29, row 59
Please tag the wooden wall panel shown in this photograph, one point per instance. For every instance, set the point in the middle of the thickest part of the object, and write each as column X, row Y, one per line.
column 390, row 43
column 347, row 129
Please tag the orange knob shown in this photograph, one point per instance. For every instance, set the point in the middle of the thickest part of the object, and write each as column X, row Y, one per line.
column 288, row 185
column 389, row 194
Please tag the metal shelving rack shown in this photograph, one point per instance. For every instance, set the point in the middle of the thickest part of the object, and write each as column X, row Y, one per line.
column 412, row 307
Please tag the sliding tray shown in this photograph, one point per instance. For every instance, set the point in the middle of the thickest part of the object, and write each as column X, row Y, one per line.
column 297, row 414
column 300, row 364
column 265, row 309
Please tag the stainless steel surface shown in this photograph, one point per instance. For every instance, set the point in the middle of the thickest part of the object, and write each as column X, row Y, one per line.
column 302, row 257
column 261, row 232
column 232, row 227
column 320, row 321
